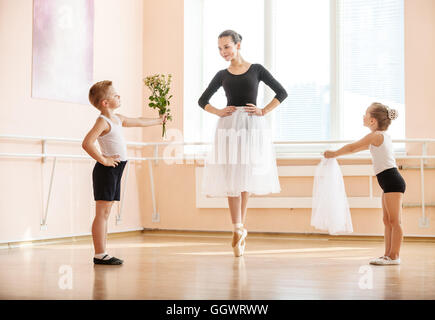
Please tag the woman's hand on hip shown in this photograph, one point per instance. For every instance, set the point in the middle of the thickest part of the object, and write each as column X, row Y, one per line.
column 253, row 110
column 227, row 111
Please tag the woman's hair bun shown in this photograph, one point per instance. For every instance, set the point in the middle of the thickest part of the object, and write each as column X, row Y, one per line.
column 236, row 37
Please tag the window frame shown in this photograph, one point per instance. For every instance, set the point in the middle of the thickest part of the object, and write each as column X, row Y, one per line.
column 336, row 76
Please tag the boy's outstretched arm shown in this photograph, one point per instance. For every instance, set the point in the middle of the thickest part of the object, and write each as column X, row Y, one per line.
column 88, row 144
column 359, row 145
column 142, row 122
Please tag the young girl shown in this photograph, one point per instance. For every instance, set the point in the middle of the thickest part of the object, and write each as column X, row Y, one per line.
column 377, row 118
column 243, row 159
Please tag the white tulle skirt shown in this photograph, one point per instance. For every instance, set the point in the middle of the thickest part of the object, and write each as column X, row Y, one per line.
column 330, row 210
column 242, row 158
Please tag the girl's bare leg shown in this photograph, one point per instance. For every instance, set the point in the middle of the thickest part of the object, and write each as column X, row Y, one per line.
column 388, row 229
column 393, row 201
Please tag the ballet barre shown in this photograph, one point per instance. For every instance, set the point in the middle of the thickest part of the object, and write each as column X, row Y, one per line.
column 191, row 159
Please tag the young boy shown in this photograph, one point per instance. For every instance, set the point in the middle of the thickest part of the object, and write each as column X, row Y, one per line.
column 107, row 173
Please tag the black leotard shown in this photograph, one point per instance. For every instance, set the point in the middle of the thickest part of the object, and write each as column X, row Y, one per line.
column 242, row 88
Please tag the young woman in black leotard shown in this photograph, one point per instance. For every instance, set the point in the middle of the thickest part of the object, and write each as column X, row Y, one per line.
column 242, row 161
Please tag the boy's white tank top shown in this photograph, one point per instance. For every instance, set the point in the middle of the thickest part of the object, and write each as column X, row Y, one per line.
column 383, row 156
column 113, row 143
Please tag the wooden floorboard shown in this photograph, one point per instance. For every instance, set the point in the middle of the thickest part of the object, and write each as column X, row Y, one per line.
column 201, row 265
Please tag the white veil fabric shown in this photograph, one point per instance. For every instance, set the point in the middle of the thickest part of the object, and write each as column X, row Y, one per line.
column 330, row 208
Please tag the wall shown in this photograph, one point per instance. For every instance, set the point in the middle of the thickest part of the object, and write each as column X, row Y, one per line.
column 137, row 38
column 176, row 183
column 24, row 182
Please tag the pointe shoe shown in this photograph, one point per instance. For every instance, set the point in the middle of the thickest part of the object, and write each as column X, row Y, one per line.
column 239, row 246
column 244, row 242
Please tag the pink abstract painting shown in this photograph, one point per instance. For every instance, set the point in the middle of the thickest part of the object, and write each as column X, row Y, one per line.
column 63, row 49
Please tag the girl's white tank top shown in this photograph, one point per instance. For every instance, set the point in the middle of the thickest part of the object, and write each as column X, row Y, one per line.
column 113, row 143
column 383, row 156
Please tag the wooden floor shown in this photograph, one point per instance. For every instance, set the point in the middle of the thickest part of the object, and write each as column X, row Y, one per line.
column 162, row 265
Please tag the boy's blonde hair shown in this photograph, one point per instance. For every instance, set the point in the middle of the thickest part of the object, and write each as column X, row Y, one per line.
column 98, row 92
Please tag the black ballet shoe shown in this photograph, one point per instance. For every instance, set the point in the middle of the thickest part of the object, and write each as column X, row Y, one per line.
column 112, row 261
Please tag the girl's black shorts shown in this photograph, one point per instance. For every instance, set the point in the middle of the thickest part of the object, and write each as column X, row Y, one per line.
column 390, row 180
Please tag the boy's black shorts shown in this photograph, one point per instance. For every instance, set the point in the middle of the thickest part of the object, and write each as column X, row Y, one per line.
column 107, row 181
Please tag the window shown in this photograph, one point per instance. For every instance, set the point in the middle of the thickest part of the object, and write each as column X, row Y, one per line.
column 202, row 59
column 333, row 57
column 302, row 65
column 371, row 61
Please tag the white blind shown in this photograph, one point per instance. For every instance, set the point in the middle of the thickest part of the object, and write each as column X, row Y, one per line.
column 204, row 21
column 366, row 36
column 243, row 16
column 302, row 66
column 372, row 61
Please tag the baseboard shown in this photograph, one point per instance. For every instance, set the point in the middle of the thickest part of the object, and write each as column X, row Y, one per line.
column 214, row 233
column 286, row 235
column 73, row 238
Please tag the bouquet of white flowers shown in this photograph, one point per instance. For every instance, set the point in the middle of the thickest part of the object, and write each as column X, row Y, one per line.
column 159, row 85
